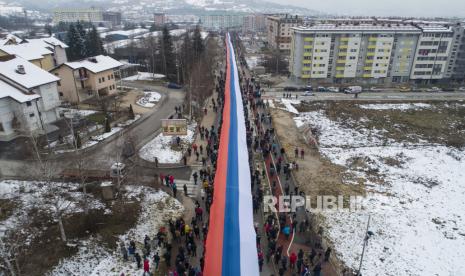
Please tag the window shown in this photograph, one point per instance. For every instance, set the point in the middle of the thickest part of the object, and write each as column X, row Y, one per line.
column 58, row 83
column 31, row 115
column 109, row 77
column 1, row 127
column 99, row 80
column 60, row 94
column 28, row 103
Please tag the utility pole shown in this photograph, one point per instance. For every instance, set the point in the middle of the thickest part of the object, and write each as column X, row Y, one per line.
column 368, row 234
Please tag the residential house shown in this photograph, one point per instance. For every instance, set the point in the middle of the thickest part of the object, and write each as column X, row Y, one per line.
column 86, row 78
column 28, row 98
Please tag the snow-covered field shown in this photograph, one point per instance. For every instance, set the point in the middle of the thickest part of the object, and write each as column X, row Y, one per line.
column 149, row 99
column 72, row 112
column 144, row 76
column 399, row 106
column 161, row 147
column 92, row 259
column 289, row 105
column 417, row 209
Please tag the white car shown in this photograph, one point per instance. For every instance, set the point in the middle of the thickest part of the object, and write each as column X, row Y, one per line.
column 333, row 89
column 461, row 88
column 308, row 93
column 434, row 89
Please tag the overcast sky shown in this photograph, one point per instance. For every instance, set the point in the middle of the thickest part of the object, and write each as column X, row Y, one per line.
column 416, row 8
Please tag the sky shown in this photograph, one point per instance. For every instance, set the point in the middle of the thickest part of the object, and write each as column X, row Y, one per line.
column 416, row 8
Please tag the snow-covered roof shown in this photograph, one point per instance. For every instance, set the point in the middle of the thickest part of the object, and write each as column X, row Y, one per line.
column 95, row 64
column 7, row 90
column 47, row 41
column 129, row 33
column 26, row 51
column 34, row 76
column 9, row 37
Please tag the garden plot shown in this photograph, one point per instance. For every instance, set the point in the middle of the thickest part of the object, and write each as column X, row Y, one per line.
column 93, row 259
column 414, row 188
column 149, row 100
column 35, row 196
column 165, row 149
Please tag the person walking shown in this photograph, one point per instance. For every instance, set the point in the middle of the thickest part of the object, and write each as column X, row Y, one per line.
column 146, row 267
column 185, row 189
column 156, row 260
column 138, row 260
column 292, row 260
column 175, row 189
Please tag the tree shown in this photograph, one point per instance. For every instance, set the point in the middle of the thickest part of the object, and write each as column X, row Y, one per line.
column 142, row 25
column 168, row 55
column 131, row 113
column 48, row 29
column 76, row 47
column 107, row 125
column 82, row 35
column 274, row 62
column 77, row 140
column 94, row 45
column 186, row 60
column 197, row 42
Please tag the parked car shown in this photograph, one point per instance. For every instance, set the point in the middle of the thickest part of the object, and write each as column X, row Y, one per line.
column 302, row 88
column 333, row 89
column 290, row 88
column 321, row 89
column 353, row 90
column 173, row 85
column 462, row 88
column 308, row 93
column 309, row 88
column 434, row 89
column 405, row 89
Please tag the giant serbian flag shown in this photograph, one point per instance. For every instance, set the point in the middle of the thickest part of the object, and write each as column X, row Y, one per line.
column 231, row 241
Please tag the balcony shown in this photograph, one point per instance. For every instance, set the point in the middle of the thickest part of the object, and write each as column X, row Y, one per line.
column 339, row 75
column 368, row 61
column 306, row 61
column 371, row 46
column 370, row 54
column 307, row 76
column 308, row 46
column 342, row 54
column 308, row 39
column 367, row 68
column 371, row 39
column 343, row 46
column 367, row 75
column 345, row 39
column 341, row 61
column 341, row 68
column 307, row 54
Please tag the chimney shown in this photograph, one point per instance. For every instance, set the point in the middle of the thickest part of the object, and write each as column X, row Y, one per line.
column 20, row 69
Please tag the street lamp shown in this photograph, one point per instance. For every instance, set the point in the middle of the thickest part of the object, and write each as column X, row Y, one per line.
column 368, row 234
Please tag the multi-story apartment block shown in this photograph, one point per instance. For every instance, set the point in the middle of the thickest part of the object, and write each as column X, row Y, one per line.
column 221, row 21
column 159, row 18
column 113, row 17
column 253, row 23
column 28, row 98
column 73, row 15
column 456, row 65
column 90, row 77
column 432, row 53
column 375, row 53
column 279, row 31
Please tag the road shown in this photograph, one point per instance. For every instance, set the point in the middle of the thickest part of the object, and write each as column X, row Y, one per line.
column 372, row 96
column 103, row 155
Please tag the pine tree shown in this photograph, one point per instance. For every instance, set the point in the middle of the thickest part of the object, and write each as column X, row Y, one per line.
column 72, row 37
column 186, row 57
column 131, row 113
column 93, row 42
column 82, row 40
column 77, row 140
column 168, row 56
column 107, row 125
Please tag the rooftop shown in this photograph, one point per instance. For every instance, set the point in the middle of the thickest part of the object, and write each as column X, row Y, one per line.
column 34, row 76
column 26, row 51
column 48, row 41
column 95, row 64
column 358, row 28
column 7, row 90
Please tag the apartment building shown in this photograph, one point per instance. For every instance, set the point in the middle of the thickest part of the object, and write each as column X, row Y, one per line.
column 221, row 21
column 456, row 64
column 73, row 15
column 432, row 53
column 87, row 78
column 114, row 18
column 278, row 28
column 159, row 18
column 253, row 23
column 43, row 52
column 28, row 98
column 376, row 53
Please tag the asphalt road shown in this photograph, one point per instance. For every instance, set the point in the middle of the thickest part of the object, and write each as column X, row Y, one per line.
column 103, row 155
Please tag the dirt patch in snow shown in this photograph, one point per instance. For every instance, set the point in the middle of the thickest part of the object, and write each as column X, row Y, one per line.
column 316, row 175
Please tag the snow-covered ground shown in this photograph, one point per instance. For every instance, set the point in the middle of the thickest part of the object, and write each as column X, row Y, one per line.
column 399, row 106
column 93, row 140
column 417, row 209
column 144, row 76
column 72, row 112
column 161, row 147
column 288, row 104
column 29, row 195
column 92, row 259
column 149, row 99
